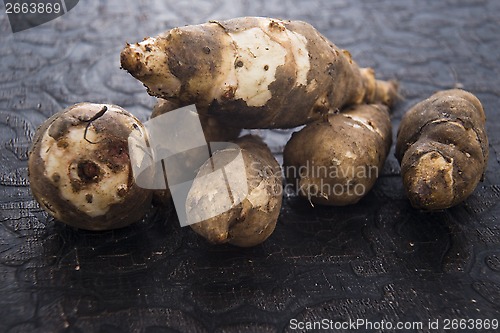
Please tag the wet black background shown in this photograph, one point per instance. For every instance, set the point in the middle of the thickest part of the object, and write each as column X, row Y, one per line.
column 377, row 260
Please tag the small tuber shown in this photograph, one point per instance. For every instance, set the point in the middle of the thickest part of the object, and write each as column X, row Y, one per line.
column 443, row 149
column 253, row 219
column 79, row 167
column 336, row 161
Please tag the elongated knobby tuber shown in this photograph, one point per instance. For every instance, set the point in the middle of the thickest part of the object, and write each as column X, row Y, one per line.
column 443, row 149
column 254, row 72
column 79, row 167
column 255, row 189
column 336, row 161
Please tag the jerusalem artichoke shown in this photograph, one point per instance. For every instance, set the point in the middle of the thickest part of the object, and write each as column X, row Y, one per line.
column 443, row 149
column 79, row 167
column 254, row 72
column 257, row 193
column 336, row 161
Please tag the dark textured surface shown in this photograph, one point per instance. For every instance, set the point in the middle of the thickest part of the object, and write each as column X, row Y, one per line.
column 377, row 260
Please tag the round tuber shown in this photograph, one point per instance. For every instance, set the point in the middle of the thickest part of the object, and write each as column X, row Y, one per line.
column 253, row 219
column 79, row 167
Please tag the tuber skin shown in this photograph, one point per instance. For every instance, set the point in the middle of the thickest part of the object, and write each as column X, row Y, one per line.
column 79, row 168
column 254, row 72
column 442, row 147
column 253, row 220
column 336, row 161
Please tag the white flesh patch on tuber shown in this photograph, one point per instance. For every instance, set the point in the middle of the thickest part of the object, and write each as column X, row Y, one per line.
column 63, row 162
column 256, row 53
column 301, row 56
column 259, row 197
column 366, row 123
column 297, row 44
column 429, row 167
column 350, row 154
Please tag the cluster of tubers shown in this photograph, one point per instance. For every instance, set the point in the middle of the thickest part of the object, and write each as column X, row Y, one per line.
column 258, row 73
